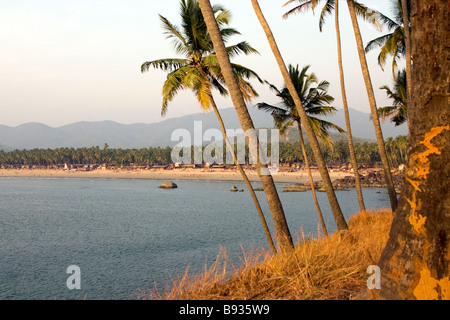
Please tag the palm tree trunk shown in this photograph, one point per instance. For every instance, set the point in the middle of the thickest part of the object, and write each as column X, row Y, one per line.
column 351, row 147
column 373, row 107
column 311, row 180
column 247, row 181
column 415, row 262
column 407, row 32
column 334, row 204
column 283, row 234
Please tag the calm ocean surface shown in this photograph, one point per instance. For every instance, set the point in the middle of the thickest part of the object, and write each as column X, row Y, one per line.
column 127, row 234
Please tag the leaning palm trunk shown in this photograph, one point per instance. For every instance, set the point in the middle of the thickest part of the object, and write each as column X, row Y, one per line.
column 311, row 181
column 407, row 31
column 351, row 147
column 373, row 107
column 244, row 176
column 283, row 234
column 334, row 204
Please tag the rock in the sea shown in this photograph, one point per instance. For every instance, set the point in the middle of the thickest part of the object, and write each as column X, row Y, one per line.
column 234, row 188
column 168, row 185
column 296, row 188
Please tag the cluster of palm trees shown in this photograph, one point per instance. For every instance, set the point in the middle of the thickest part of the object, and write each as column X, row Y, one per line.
column 290, row 155
column 337, row 154
column 92, row 155
column 206, row 65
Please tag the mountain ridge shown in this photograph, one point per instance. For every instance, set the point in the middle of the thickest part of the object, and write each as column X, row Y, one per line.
column 158, row 134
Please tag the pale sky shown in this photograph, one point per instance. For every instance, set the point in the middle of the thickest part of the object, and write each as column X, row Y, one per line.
column 63, row 61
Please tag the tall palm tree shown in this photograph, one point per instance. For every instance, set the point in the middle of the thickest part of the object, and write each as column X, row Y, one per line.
column 327, row 9
column 334, row 204
column 283, row 234
column 316, row 102
column 398, row 111
column 200, row 71
column 373, row 104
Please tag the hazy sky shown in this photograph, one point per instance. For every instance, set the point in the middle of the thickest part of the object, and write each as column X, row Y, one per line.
column 63, row 61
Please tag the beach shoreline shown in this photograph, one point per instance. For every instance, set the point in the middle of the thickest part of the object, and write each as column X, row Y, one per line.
column 176, row 174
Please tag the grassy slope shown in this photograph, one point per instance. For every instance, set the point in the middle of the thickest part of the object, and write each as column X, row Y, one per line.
column 325, row 268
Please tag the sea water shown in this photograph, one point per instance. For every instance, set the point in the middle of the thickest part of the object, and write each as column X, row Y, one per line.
column 128, row 235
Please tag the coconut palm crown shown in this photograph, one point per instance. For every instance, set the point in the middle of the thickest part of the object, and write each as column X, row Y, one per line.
column 199, row 70
column 316, row 102
column 393, row 43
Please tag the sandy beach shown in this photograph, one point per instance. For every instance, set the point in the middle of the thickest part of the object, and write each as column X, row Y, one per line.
column 156, row 174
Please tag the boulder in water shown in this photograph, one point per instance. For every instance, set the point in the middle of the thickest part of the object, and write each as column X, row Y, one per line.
column 296, row 188
column 168, row 185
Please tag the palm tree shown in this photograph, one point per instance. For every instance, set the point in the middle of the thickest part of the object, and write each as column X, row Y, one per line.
column 398, row 111
column 415, row 262
column 200, row 71
column 396, row 43
column 283, row 234
column 329, row 6
column 334, row 204
column 393, row 43
column 372, row 102
column 315, row 101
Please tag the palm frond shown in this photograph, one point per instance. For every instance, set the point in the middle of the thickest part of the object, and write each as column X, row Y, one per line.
column 227, row 33
column 369, row 15
column 323, row 86
column 326, row 10
column 223, row 16
column 247, row 90
column 239, row 48
column 304, row 5
column 327, row 125
column 168, row 65
column 321, row 111
column 218, row 86
column 204, row 96
column 194, row 27
column 272, row 87
column 273, row 110
column 173, row 84
column 173, row 33
column 377, row 42
column 245, row 72
column 387, row 22
column 398, row 111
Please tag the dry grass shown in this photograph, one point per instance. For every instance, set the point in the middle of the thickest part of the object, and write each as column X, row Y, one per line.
column 327, row 268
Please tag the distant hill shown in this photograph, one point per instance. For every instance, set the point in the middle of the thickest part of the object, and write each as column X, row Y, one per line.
column 141, row 135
